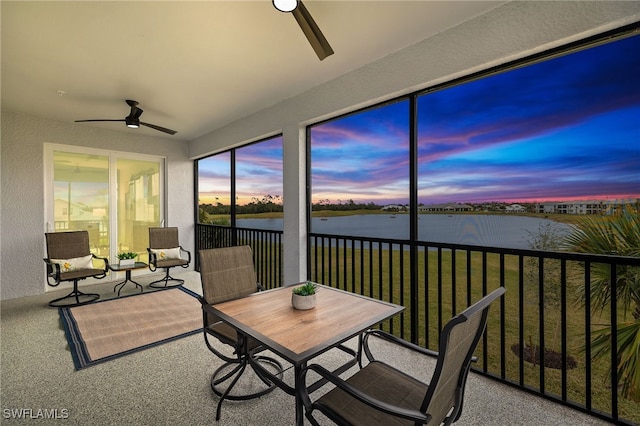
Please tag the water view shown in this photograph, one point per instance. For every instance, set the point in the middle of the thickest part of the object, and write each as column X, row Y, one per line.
column 483, row 230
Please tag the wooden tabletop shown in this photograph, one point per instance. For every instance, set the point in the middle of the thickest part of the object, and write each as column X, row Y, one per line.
column 300, row 335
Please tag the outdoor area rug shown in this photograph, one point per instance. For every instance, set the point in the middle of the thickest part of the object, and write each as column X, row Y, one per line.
column 112, row 328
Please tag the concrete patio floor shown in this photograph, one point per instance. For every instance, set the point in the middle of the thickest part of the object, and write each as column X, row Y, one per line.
column 169, row 384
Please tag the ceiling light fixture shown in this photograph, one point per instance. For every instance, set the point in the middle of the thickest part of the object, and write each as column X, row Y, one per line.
column 285, row 5
column 132, row 122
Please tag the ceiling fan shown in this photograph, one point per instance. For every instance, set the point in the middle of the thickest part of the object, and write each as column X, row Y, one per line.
column 307, row 24
column 133, row 119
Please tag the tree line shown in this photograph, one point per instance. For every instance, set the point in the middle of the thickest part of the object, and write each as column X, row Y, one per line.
column 274, row 203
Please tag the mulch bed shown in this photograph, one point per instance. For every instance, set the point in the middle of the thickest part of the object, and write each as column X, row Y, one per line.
column 552, row 359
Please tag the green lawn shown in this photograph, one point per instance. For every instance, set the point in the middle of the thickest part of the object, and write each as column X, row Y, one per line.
column 375, row 274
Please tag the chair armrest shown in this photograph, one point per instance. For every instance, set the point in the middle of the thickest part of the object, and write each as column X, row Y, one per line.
column 188, row 256
column 55, row 272
column 152, row 260
column 105, row 260
column 413, row 415
column 393, row 339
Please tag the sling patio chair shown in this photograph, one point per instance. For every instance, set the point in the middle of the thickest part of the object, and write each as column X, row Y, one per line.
column 380, row 394
column 70, row 259
column 228, row 274
column 166, row 252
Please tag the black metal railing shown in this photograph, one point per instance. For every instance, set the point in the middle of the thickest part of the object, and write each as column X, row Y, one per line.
column 538, row 337
column 266, row 247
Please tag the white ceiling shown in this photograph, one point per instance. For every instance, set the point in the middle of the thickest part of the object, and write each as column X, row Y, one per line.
column 194, row 66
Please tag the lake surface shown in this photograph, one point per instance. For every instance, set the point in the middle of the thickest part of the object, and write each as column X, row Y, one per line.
column 484, row 230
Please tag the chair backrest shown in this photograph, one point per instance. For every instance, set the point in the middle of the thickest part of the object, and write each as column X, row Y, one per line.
column 227, row 273
column 67, row 245
column 458, row 340
column 163, row 238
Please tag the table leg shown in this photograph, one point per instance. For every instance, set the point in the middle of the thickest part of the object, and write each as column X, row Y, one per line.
column 298, row 393
column 127, row 279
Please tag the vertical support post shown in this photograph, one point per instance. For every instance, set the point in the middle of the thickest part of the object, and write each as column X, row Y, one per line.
column 295, row 204
column 413, row 215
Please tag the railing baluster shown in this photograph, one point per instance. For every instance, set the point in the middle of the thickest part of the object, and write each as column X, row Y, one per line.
column 453, row 283
column 439, row 289
column 345, row 275
column 503, row 365
column 326, row 259
column 485, row 338
column 541, row 343
column 330, row 257
column 469, row 254
column 521, row 319
column 390, row 266
column 427, row 343
column 401, row 285
column 563, row 325
column 353, row 267
column 613, row 282
column 371, row 268
column 587, row 333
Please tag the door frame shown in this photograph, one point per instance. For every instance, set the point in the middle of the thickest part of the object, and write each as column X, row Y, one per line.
column 113, row 156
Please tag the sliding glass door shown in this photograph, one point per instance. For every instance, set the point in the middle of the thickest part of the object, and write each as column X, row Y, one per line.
column 81, row 197
column 115, row 196
column 138, row 203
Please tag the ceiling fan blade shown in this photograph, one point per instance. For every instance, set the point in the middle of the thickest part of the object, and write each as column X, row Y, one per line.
column 83, row 121
column 312, row 31
column 162, row 129
column 133, row 119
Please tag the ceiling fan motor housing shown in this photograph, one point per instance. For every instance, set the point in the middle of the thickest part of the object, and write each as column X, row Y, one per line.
column 132, row 122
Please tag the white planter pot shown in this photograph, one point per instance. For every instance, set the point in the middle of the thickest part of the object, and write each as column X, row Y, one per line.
column 303, row 302
column 127, row 262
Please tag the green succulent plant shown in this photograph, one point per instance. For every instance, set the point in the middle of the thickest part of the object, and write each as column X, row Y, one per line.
column 127, row 255
column 307, row 289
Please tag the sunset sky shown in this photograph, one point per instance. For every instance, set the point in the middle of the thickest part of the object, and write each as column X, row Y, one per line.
column 563, row 129
column 258, row 173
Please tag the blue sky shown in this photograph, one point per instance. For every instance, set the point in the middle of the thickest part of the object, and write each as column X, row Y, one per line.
column 563, row 129
column 258, row 173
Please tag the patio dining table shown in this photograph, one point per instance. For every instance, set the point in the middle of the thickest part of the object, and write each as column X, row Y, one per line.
column 300, row 335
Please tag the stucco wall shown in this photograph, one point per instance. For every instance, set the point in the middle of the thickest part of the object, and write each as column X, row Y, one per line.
column 22, row 190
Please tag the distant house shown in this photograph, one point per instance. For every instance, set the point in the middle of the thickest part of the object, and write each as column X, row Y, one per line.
column 445, row 208
column 515, row 208
column 394, row 208
column 585, row 206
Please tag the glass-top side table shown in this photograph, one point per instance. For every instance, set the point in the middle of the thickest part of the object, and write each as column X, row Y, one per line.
column 127, row 270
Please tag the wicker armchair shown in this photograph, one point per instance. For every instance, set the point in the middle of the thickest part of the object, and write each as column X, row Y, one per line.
column 166, row 252
column 69, row 259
